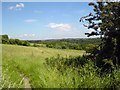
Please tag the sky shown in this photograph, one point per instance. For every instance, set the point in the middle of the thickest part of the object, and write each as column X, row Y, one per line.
column 44, row 20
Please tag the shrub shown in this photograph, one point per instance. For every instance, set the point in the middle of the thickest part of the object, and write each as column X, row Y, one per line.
column 25, row 43
column 12, row 41
column 66, row 62
column 35, row 45
column 78, row 72
column 5, row 39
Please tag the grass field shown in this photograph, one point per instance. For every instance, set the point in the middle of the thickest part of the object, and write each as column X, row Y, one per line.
column 23, row 66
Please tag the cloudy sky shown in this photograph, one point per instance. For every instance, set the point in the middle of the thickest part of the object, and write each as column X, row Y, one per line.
column 44, row 20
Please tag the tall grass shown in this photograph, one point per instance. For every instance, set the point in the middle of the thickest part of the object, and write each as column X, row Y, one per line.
column 29, row 61
column 8, row 82
column 51, row 68
column 68, row 72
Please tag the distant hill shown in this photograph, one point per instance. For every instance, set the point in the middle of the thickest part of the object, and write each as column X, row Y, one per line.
column 70, row 43
column 78, row 44
column 72, row 40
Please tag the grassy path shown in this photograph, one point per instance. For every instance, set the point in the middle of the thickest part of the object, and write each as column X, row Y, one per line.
column 26, row 81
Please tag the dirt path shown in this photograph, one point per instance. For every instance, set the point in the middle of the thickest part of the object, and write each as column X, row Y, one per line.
column 26, row 82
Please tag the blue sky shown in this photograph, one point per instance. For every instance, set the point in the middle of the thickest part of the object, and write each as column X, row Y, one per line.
column 44, row 20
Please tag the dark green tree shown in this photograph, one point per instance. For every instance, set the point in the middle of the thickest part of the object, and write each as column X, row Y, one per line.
column 25, row 43
column 12, row 41
column 106, row 22
column 18, row 42
column 5, row 39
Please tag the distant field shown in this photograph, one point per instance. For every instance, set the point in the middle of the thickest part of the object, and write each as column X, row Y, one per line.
column 24, row 65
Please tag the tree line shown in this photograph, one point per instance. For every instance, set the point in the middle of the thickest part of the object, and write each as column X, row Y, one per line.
column 77, row 44
column 6, row 40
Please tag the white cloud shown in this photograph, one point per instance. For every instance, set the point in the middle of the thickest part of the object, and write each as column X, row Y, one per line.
column 20, row 5
column 17, row 7
column 25, row 35
column 28, row 35
column 32, row 35
column 11, row 8
column 31, row 20
column 60, row 26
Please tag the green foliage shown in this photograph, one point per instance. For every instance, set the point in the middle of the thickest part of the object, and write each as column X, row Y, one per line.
column 35, row 45
column 89, row 48
column 77, row 44
column 25, row 43
column 12, row 41
column 6, row 40
column 71, row 71
column 18, row 42
column 66, row 62
column 5, row 37
column 105, row 22
column 60, row 70
column 29, row 61
column 86, row 73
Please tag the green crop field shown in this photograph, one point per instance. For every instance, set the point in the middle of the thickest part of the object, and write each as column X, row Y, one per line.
column 22, row 63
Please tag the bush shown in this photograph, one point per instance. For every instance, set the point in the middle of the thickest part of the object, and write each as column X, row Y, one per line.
column 78, row 72
column 18, row 42
column 66, row 62
column 25, row 43
column 35, row 45
column 12, row 41
column 89, row 48
column 5, row 39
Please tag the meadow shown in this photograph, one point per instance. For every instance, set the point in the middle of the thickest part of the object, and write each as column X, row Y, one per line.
column 41, row 67
column 19, row 62
column 63, row 63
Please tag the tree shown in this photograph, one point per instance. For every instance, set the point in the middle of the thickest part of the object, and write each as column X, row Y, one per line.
column 25, row 43
column 18, row 42
column 106, row 22
column 5, row 39
column 12, row 41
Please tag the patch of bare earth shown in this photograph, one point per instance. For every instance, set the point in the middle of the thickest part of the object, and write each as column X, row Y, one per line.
column 26, row 82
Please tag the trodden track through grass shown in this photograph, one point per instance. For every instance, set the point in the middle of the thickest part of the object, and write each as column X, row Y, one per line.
column 22, row 63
